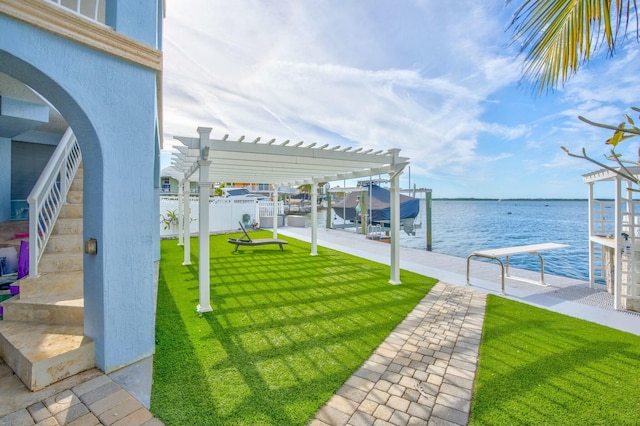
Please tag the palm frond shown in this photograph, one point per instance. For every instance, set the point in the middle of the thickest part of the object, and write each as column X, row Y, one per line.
column 559, row 35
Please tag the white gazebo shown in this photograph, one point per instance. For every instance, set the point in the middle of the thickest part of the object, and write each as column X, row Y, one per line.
column 280, row 164
column 614, row 236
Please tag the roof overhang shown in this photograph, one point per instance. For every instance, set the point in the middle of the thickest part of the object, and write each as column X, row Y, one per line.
column 609, row 175
column 280, row 164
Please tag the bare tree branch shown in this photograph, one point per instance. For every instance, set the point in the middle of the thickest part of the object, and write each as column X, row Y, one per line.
column 632, row 130
column 626, row 174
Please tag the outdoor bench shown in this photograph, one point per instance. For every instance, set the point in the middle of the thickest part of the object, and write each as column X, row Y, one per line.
column 496, row 254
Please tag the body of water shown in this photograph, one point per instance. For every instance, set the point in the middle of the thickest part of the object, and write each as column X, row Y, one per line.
column 462, row 226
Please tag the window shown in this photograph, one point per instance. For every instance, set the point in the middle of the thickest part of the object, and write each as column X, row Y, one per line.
column 166, row 184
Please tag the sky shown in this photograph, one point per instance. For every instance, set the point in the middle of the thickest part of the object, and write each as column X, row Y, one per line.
column 441, row 80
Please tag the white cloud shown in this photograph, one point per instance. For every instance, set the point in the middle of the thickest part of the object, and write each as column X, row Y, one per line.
column 507, row 132
column 277, row 72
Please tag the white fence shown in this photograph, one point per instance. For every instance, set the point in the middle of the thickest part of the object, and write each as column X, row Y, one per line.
column 224, row 214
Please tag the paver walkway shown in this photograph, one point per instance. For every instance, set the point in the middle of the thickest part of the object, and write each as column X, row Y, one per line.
column 423, row 372
column 87, row 399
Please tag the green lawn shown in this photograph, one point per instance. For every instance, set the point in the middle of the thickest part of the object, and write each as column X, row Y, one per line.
column 287, row 329
column 539, row 367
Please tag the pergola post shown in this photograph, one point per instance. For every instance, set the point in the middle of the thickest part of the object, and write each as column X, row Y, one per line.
column 314, row 219
column 180, row 213
column 395, row 223
column 186, row 223
column 275, row 213
column 592, row 246
column 327, row 195
column 203, row 233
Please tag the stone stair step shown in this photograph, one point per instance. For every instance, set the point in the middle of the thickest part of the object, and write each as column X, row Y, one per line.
column 60, row 262
column 68, row 283
column 71, row 211
column 64, row 226
column 42, row 354
column 42, row 334
column 64, row 243
column 77, row 184
column 52, row 309
column 74, row 197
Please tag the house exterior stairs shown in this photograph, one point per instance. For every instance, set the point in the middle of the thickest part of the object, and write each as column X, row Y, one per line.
column 42, row 333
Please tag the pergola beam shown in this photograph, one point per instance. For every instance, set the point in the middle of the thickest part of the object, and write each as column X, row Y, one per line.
column 224, row 160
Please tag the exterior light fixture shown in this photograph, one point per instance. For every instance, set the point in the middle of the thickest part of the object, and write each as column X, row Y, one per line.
column 91, row 246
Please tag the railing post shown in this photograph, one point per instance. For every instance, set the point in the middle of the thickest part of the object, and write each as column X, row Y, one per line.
column 34, row 208
column 64, row 172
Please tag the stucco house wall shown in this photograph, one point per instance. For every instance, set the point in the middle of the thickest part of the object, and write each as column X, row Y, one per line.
column 111, row 106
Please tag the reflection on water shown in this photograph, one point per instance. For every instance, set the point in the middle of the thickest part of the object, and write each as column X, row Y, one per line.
column 460, row 227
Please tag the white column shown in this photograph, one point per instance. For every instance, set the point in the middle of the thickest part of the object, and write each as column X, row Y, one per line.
column 395, row 226
column 180, row 213
column 187, row 222
column 275, row 213
column 592, row 278
column 314, row 219
column 617, row 285
column 203, row 232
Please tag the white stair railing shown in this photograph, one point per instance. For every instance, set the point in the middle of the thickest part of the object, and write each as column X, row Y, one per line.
column 49, row 195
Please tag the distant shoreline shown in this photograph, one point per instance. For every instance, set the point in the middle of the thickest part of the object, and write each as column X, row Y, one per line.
column 514, row 199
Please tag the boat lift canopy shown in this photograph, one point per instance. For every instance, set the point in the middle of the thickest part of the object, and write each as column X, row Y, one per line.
column 283, row 164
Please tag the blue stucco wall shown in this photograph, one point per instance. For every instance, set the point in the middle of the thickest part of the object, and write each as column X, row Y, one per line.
column 5, row 178
column 134, row 18
column 111, row 106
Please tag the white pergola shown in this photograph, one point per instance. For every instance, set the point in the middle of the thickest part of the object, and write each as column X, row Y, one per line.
column 280, row 164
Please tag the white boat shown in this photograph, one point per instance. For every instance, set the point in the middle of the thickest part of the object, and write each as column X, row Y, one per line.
column 241, row 194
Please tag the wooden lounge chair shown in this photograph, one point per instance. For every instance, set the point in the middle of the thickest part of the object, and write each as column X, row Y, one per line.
column 248, row 241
